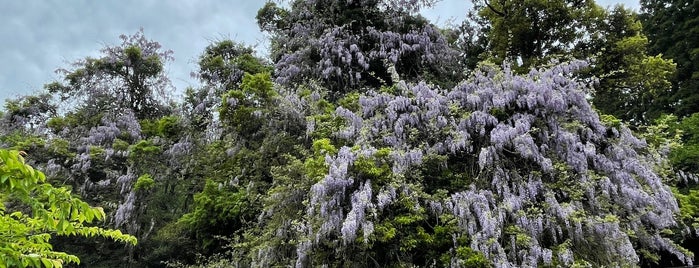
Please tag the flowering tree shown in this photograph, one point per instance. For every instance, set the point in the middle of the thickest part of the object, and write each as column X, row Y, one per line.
column 117, row 144
column 515, row 170
column 364, row 145
column 349, row 44
column 28, row 111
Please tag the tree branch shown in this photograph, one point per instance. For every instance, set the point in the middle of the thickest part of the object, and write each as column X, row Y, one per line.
column 491, row 7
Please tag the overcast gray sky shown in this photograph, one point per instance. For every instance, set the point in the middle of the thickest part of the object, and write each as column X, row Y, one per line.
column 38, row 37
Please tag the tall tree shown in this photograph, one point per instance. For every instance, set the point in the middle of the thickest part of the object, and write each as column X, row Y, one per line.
column 222, row 67
column 350, row 44
column 531, row 32
column 501, row 170
column 672, row 27
column 131, row 75
column 633, row 85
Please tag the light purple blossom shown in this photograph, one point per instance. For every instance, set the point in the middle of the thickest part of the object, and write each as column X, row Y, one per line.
column 528, row 140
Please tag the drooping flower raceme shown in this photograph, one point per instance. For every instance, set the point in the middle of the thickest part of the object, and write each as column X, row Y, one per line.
column 347, row 44
column 545, row 176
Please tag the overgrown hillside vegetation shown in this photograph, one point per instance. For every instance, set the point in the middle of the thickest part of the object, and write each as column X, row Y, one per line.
column 535, row 134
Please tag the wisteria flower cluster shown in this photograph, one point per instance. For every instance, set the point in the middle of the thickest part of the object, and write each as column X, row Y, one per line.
column 544, row 170
column 346, row 51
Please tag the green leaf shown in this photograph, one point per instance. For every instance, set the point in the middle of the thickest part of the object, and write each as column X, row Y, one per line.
column 47, row 263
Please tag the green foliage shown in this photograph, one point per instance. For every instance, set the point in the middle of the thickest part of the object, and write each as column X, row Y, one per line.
column 238, row 170
column 315, row 166
column 166, row 127
column 445, row 174
column 413, row 233
column 686, row 157
column 74, row 119
column 32, row 211
column 350, row 102
column 23, row 142
column 323, row 120
column 143, row 148
column 610, row 121
column 672, row 28
column 170, row 240
column 688, row 199
column 60, row 148
column 471, row 258
column 521, row 238
column 96, row 152
column 56, row 124
column 219, row 210
column 243, row 109
column 664, row 138
column 257, row 86
column 532, row 31
column 149, row 127
column 248, row 63
column 324, row 124
column 375, row 167
column 633, row 84
column 271, row 17
column 223, row 64
column 680, row 137
column 144, row 183
column 120, row 145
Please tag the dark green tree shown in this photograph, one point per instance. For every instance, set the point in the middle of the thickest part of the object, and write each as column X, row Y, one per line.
column 672, row 27
column 531, row 32
column 633, row 85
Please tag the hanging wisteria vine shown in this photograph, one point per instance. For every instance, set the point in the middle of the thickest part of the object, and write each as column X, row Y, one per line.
column 547, row 167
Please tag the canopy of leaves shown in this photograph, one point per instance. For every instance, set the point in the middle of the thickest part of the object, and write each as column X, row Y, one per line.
column 32, row 211
column 633, row 85
column 532, row 32
column 672, row 27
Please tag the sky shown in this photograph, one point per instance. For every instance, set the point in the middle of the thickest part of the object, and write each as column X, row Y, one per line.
column 38, row 37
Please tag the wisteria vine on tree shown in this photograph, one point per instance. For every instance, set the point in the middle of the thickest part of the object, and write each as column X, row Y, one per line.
column 551, row 184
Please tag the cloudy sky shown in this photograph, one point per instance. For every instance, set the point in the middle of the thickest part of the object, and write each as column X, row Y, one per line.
column 38, row 37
